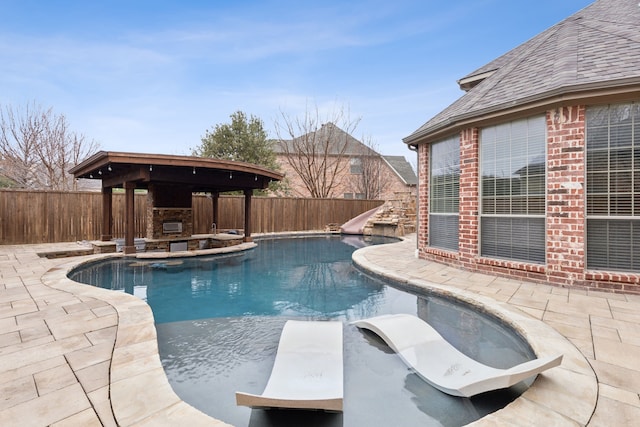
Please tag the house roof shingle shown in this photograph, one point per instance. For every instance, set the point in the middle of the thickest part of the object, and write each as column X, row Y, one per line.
column 402, row 168
column 596, row 49
column 336, row 138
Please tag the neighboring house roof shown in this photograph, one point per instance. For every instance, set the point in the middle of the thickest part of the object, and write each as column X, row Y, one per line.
column 402, row 168
column 332, row 133
column 591, row 54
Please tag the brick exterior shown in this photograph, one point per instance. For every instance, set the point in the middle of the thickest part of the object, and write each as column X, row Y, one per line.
column 345, row 182
column 566, row 195
column 468, row 221
column 423, row 198
column 565, row 212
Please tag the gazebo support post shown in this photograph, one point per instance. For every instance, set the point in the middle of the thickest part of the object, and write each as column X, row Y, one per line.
column 107, row 214
column 130, row 223
column 247, row 215
column 215, row 198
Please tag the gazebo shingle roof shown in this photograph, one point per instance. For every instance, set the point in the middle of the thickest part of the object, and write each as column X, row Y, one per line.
column 201, row 173
column 596, row 49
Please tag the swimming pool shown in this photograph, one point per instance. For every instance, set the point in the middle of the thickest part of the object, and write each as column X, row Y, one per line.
column 219, row 320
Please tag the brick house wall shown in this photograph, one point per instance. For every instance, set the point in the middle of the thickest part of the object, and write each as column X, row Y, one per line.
column 566, row 195
column 565, row 212
column 423, row 203
column 345, row 182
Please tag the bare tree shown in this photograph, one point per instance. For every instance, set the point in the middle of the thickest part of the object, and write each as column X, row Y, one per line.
column 316, row 149
column 373, row 177
column 37, row 148
column 18, row 139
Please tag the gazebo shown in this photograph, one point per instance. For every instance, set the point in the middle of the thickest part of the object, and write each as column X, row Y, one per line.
column 170, row 181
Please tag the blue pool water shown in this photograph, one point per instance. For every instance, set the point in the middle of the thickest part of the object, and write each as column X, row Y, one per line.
column 219, row 320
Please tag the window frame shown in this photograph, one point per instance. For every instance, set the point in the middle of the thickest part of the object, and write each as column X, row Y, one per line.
column 355, row 166
column 612, row 187
column 445, row 218
column 512, row 206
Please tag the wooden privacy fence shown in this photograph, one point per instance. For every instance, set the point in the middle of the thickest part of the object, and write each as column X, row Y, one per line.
column 48, row 217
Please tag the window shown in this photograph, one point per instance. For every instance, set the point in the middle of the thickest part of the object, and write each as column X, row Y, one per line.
column 444, row 185
column 356, row 165
column 613, row 187
column 512, row 194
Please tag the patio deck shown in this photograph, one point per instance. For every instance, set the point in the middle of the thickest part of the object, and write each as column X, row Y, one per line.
column 73, row 354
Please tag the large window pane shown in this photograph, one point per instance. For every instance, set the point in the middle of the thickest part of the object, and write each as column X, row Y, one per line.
column 444, row 187
column 597, row 160
column 513, row 180
column 613, row 187
column 598, row 182
column 613, row 244
column 621, row 159
column 598, row 116
column 443, row 231
column 536, row 185
column 620, row 135
column 536, row 205
column 513, row 238
column 598, row 205
column 598, row 138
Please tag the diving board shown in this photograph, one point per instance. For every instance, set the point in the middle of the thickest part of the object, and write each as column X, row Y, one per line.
column 440, row 364
column 308, row 369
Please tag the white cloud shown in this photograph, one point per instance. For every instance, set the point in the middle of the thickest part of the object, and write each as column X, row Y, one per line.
column 161, row 89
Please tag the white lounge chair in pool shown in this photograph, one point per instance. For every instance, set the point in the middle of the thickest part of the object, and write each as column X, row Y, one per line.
column 308, row 370
column 440, row 364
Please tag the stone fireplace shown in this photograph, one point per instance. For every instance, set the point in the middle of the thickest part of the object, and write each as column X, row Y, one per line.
column 169, row 212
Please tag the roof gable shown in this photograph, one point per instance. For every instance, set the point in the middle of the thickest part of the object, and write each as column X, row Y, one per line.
column 402, row 168
column 328, row 132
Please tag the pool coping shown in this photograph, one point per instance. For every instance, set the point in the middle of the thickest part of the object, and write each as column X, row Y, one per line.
column 140, row 393
column 573, row 380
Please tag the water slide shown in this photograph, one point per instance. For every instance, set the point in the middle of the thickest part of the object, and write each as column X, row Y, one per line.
column 356, row 225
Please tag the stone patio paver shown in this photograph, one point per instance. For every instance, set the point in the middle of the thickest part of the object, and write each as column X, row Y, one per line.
column 73, row 354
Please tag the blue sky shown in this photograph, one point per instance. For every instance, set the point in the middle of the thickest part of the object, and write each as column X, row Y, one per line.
column 153, row 76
